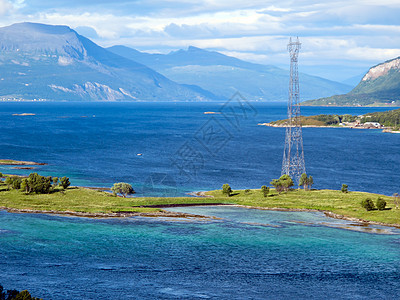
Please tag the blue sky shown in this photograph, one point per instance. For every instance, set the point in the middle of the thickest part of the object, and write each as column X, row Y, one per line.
column 340, row 39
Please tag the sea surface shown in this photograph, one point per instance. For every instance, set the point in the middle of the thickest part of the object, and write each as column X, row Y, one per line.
column 240, row 254
column 245, row 254
column 174, row 148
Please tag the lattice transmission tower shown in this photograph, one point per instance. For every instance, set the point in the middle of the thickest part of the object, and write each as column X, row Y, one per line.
column 293, row 155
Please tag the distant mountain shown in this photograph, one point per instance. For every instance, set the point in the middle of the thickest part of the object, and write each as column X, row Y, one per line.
column 56, row 63
column 380, row 86
column 224, row 75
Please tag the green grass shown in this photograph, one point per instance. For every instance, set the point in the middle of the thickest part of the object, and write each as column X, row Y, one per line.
column 347, row 204
column 87, row 200
column 93, row 201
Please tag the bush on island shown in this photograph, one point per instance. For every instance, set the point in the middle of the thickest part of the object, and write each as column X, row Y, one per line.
column 367, row 204
column 64, row 182
column 265, row 190
column 122, row 188
column 380, row 204
column 226, row 189
column 345, row 188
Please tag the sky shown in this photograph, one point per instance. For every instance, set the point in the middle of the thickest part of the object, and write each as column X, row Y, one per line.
column 340, row 39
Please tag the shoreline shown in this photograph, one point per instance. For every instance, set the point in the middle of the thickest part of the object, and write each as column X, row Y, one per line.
column 169, row 214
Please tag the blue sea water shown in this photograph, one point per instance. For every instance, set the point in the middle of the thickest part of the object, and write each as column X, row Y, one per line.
column 183, row 149
column 246, row 254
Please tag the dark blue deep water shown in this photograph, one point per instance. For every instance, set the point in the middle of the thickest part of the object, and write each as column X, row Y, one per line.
column 248, row 254
column 183, row 149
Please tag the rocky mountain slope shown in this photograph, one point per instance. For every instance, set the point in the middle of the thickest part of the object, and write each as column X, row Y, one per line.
column 55, row 63
column 379, row 86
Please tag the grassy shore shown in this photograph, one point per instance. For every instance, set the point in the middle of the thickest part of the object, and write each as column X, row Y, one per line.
column 94, row 201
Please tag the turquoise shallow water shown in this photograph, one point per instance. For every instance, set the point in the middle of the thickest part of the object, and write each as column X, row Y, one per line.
column 246, row 254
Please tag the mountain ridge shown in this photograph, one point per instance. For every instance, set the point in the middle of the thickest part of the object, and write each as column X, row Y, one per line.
column 224, row 75
column 74, row 68
column 380, row 86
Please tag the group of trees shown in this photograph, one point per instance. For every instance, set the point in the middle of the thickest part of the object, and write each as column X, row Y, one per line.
column 368, row 204
column 284, row 183
column 15, row 295
column 36, row 183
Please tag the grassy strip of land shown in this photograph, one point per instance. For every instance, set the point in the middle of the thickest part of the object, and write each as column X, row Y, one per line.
column 346, row 204
column 85, row 200
column 11, row 162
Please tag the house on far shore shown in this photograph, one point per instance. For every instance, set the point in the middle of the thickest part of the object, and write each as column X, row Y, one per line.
column 372, row 125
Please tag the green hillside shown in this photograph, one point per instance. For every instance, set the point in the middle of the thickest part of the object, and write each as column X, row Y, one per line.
column 379, row 87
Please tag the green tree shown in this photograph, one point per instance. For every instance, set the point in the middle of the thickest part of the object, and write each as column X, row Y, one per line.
column 64, row 182
column 226, row 189
column 380, row 204
column 55, row 181
column 265, row 190
column 1, row 175
column 37, row 184
column 8, row 181
column 345, row 188
column 277, row 184
column 304, row 181
column 368, row 204
column 310, row 182
column 16, row 183
column 122, row 188
column 287, row 182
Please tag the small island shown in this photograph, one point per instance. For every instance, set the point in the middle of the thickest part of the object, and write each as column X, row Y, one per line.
column 60, row 198
column 11, row 162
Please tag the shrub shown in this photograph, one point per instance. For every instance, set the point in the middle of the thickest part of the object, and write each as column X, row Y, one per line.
column 64, row 182
column 247, row 191
column 380, row 204
column 226, row 190
column 345, row 188
column 265, row 190
column 368, row 204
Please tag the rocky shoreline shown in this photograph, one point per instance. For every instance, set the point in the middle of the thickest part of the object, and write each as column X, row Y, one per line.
column 170, row 214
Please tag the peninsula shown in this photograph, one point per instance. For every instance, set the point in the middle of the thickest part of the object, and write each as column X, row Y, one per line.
column 389, row 121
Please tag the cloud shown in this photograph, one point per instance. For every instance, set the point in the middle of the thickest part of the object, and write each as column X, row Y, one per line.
column 333, row 32
column 5, row 7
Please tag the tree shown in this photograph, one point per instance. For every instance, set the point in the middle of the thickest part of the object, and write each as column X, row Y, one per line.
column 304, row 181
column 367, row 204
column 226, row 189
column 55, row 181
column 16, row 183
column 8, row 181
column 277, row 184
column 37, row 184
column 1, row 175
column 380, row 204
column 345, row 188
column 287, row 182
column 310, row 182
column 122, row 188
column 64, row 182
column 265, row 190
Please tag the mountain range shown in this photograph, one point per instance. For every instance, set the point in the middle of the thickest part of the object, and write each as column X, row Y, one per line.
column 49, row 62
column 380, row 86
column 224, row 75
